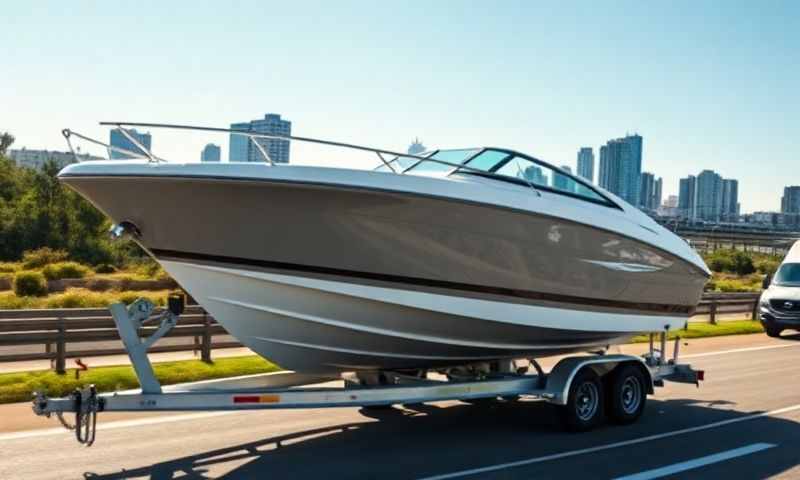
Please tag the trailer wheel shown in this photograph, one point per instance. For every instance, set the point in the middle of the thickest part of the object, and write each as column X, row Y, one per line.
column 584, row 408
column 627, row 395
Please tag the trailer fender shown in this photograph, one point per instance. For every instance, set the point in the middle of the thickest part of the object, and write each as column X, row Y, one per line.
column 560, row 378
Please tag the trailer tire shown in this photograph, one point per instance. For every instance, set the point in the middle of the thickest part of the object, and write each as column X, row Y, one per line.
column 584, row 409
column 627, row 394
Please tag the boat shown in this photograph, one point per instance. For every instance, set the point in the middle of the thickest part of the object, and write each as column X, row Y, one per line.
column 446, row 258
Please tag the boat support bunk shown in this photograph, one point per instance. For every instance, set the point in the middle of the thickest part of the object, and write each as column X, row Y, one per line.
column 587, row 388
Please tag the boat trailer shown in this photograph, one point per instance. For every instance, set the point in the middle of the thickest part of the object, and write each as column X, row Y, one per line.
column 575, row 383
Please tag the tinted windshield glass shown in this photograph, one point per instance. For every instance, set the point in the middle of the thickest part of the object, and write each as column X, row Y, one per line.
column 544, row 176
column 451, row 156
column 788, row 273
column 487, row 160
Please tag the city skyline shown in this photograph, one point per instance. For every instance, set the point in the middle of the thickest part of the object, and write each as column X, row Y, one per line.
column 711, row 85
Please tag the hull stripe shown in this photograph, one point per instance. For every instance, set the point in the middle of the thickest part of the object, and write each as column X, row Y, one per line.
column 426, row 282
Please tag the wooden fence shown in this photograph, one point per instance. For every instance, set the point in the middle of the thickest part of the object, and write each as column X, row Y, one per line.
column 79, row 328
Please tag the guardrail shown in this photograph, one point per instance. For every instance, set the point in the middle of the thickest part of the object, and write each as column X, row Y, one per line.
column 59, row 329
column 713, row 304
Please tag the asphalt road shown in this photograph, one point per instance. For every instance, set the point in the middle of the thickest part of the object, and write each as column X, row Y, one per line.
column 744, row 422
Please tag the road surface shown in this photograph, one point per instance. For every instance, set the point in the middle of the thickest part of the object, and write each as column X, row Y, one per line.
column 744, row 422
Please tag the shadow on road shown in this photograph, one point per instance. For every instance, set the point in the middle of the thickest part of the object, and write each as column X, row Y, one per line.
column 420, row 440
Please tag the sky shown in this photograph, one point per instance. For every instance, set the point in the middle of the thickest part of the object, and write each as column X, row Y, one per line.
column 708, row 84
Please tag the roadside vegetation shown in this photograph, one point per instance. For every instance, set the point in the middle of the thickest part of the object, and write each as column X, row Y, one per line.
column 703, row 330
column 738, row 271
column 17, row 387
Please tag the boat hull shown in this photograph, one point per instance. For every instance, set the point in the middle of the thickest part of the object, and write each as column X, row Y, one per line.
column 390, row 271
column 312, row 325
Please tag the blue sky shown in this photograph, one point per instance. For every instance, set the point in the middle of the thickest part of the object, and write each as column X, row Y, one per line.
column 707, row 84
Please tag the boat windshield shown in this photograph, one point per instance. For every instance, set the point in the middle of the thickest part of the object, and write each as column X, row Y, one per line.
column 529, row 171
column 400, row 163
column 788, row 274
column 450, row 156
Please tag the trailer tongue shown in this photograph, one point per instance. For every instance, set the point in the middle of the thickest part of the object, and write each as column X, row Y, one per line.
column 578, row 384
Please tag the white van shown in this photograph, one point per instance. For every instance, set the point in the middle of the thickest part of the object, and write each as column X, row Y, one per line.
column 780, row 302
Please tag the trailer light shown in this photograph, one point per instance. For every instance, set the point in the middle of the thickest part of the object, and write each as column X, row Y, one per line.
column 701, row 375
column 256, row 398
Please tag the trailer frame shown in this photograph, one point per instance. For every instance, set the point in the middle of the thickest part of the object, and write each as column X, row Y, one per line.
column 297, row 390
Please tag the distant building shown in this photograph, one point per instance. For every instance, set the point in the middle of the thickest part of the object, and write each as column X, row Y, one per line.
column 211, row 153
column 621, row 168
column 37, row 158
column 416, row 148
column 790, row 202
column 586, row 163
column 650, row 192
column 535, row 175
column 242, row 148
column 670, row 207
column 563, row 182
column 709, row 197
column 119, row 140
column 730, row 200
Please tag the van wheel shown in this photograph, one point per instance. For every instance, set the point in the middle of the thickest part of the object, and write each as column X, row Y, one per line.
column 627, row 394
column 773, row 332
column 584, row 408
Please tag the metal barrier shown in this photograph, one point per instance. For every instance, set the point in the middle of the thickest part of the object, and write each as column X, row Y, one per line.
column 64, row 333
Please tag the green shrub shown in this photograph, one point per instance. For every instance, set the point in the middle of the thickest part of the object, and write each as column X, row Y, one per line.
column 30, row 284
column 57, row 271
column 105, row 268
column 9, row 267
column 767, row 265
column 43, row 256
column 742, row 264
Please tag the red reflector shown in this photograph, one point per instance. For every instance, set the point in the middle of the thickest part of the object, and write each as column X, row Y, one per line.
column 701, row 375
column 246, row 399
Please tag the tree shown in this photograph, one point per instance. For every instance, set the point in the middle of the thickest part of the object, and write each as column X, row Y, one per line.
column 6, row 139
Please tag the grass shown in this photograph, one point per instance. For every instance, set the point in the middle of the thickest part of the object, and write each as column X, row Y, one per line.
column 79, row 298
column 702, row 330
column 728, row 282
column 18, row 387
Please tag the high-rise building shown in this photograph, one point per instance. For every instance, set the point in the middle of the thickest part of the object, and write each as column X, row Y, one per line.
column 535, row 175
column 621, row 167
column 119, row 140
column 242, row 148
column 211, row 153
column 563, row 182
column 586, row 163
column 650, row 192
column 790, row 202
column 709, row 197
column 416, row 148
column 687, row 197
column 730, row 200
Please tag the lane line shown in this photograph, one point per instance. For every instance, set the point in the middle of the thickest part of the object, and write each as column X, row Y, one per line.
column 114, row 425
column 741, row 350
column 600, row 448
column 698, row 462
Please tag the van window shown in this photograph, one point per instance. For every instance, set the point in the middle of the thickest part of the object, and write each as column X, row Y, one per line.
column 788, row 274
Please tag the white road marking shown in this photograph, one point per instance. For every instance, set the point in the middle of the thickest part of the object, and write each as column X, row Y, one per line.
column 742, row 350
column 697, row 462
column 113, row 425
column 600, row 448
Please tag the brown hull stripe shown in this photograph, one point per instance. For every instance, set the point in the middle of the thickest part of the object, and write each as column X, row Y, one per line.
column 425, row 282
